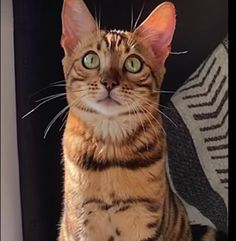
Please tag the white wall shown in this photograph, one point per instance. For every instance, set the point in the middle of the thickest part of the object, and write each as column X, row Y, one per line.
column 10, row 195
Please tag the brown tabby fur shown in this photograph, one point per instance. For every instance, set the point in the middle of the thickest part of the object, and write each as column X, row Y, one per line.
column 115, row 187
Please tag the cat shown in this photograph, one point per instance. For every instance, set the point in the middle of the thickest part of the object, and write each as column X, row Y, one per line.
column 115, row 182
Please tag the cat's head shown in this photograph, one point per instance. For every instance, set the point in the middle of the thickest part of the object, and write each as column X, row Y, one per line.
column 114, row 74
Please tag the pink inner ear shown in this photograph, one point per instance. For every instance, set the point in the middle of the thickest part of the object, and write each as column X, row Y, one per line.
column 77, row 23
column 158, row 30
column 69, row 39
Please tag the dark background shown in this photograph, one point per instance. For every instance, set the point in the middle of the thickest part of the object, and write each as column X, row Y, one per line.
column 201, row 25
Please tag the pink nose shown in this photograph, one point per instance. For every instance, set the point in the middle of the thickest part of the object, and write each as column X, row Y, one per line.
column 109, row 83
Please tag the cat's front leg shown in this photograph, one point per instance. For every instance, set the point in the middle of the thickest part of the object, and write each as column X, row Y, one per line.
column 64, row 235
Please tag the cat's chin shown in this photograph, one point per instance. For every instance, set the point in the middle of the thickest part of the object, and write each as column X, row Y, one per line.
column 108, row 107
column 107, row 102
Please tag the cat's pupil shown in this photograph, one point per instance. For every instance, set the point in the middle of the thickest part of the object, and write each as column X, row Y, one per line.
column 132, row 64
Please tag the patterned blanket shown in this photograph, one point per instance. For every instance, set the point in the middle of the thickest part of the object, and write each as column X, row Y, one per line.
column 198, row 146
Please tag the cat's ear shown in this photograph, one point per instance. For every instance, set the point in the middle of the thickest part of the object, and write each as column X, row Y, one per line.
column 77, row 22
column 158, row 30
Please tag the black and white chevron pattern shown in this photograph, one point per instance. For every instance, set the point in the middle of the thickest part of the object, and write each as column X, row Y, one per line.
column 200, row 108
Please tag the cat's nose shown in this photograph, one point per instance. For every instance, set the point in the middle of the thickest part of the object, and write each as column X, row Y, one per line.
column 109, row 83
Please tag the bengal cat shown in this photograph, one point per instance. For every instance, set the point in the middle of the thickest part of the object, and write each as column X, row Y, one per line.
column 115, row 183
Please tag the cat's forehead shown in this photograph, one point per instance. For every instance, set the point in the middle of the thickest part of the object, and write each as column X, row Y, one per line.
column 114, row 39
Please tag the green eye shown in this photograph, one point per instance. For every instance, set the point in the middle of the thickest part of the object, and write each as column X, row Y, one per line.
column 133, row 64
column 91, row 60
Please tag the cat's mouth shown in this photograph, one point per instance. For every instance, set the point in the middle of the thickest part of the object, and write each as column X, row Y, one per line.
column 109, row 101
column 108, row 104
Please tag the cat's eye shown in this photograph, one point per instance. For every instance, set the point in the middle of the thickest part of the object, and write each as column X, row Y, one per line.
column 91, row 60
column 133, row 64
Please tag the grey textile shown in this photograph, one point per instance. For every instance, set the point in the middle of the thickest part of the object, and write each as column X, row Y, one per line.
column 198, row 146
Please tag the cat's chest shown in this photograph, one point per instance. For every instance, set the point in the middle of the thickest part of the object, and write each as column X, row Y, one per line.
column 118, row 221
column 114, row 183
column 108, row 205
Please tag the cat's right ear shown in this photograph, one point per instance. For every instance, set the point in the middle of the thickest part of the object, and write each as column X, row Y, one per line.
column 158, row 30
column 77, row 23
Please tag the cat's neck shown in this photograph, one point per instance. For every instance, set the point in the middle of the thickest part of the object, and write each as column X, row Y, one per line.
column 144, row 147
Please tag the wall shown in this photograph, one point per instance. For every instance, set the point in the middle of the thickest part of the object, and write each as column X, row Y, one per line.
column 10, row 195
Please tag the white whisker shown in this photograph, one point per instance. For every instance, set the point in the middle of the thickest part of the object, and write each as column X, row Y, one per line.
column 45, row 101
column 57, row 116
column 141, row 122
column 163, row 91
column 58, row 82
column 154, row 118
column 165, row 115
column 139, row 16
column 54, row 119
column 178, row 53
column 157, row 109
column 50, row 96
column 132, row 18
column 64, row 120
column 47, row 87
column 165, row 106
column 99, row 17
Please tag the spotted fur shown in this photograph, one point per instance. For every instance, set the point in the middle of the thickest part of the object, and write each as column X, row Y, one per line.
column 115, row 184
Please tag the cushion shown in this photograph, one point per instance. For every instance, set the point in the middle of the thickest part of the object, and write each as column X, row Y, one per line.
column 198, row 144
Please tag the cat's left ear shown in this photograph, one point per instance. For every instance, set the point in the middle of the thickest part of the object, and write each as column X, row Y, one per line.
column 77, row 23
column 158, row 30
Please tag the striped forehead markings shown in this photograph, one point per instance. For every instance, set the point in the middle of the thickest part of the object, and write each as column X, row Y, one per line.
column 114, row 38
